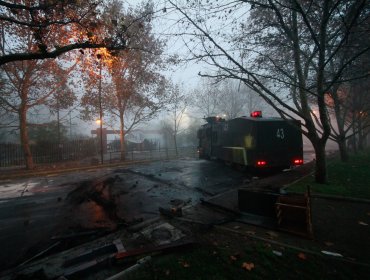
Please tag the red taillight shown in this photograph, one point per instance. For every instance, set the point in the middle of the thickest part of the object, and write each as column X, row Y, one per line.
column 261, row 163
column 298, row 161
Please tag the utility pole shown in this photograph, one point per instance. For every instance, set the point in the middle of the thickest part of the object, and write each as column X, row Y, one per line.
column 70, row 126
column 58, row 121
column 100, row 112
column 59, row 155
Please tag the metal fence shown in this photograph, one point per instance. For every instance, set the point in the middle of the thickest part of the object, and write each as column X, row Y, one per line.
column 44, row 153
column 83, row 152
column 154, row 154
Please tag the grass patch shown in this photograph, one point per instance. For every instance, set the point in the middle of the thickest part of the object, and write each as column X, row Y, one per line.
column 351, row 179
column 223, row 262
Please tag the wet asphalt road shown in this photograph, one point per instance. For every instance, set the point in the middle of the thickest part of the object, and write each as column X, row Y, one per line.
column 143, row 189
column 34, row 210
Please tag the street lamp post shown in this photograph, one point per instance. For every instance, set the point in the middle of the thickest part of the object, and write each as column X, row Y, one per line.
column 100, row 112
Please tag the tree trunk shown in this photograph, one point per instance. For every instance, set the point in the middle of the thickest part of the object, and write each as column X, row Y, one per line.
column 122, row 135
column 320, row 165
column 350, row 145
column 340, row 118
column 343, row 149
column 360, row 136
column 24, row 137
column 175, row 142
column 354, row 136
column 319, row 144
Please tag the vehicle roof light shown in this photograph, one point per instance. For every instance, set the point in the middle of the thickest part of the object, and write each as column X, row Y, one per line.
column 256, row 114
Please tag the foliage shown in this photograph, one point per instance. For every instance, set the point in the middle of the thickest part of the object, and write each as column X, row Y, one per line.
column 33, row 83
column 33, row 31
column 54, row 28
column 30, row 84
column 49, row 132
column 132, row 89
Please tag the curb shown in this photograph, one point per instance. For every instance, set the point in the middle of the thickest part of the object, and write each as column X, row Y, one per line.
column 51, row 172
column 335, row 197
column 325, row 196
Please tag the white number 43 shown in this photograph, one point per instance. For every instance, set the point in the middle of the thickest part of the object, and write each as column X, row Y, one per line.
column 280, row 133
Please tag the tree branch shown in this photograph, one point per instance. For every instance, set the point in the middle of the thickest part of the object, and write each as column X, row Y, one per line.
column 57, row 52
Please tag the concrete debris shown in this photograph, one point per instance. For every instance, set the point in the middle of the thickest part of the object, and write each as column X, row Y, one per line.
column 175, row 246
column 172, row 212
column 332, row 254
column 162, row 234
column 77, row 234
column 41, row 253
column 96, row 253
column 277, row 253
column 130, row 269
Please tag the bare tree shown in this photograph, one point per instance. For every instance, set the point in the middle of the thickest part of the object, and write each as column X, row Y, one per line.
column 282, row 50
column 205, row 98
column 349, row 108
column 226, row 98
column 360, row 113
column 177, row 109
column 237, row 100
column 233, row 100
column 347, row 99
column 166, row 129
